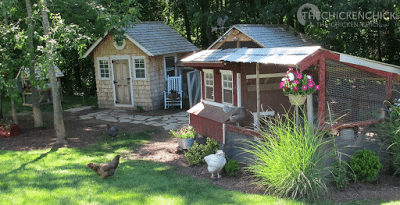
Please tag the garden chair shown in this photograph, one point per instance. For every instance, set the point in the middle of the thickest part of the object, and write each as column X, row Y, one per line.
column 173, row 94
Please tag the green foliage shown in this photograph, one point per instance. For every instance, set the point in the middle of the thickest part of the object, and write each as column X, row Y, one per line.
column 390, row 131
column 339, row 174
column 232, row 167
column 186, row 132
column 195, row 155
column 289, row 161
column 139, row 108
column 364, row 166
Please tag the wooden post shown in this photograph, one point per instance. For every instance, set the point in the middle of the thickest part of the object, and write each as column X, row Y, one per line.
column 321, row 93
column 258, row 90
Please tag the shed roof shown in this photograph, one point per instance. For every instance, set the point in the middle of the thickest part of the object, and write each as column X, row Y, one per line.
column 154, row 38
column 270, row 36
column 285, row 55
column 210, row 112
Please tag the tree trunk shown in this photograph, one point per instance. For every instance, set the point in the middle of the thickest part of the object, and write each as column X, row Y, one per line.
column 58, row 112
column 1, row 104
column 37, row 114
column 391, row 36
column 13, row 111
column 187, row 24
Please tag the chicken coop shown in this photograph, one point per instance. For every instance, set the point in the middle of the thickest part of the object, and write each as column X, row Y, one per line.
column 44, row 91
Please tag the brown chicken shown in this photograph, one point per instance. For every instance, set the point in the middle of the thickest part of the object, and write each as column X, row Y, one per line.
column 105, row 169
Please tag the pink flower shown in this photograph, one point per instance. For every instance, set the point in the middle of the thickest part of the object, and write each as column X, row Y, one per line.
column 317, row 87
column 310, row 85
column 296, row 82
column 290, row 69
column 310, row 80
column 304, row 87
column 281, row 84
column 299, row 76
column 285, row 88
column 295, row 89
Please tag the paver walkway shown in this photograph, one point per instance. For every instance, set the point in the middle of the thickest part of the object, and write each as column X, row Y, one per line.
column 168, row 122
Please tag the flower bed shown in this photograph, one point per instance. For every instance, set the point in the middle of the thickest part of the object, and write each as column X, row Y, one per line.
column 7, row 131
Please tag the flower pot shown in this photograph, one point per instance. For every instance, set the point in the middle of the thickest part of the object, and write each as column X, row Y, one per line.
column 185, row 143
column 10, row 132
column 297, row 99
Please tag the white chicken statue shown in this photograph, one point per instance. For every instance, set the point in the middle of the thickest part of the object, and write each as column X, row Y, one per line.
column 215, row 163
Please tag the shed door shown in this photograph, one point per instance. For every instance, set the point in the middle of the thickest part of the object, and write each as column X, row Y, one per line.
column 194, row 87
column 122, row 82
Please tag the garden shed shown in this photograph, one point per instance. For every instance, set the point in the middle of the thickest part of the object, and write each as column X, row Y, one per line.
column 353, row 88
column 133, row 72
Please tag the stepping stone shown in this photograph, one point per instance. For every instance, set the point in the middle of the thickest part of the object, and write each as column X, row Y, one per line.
column 78, row 109
column 85, row 117
column 124, row 120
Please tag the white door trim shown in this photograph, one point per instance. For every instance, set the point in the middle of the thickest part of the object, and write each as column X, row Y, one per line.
column 122, row 57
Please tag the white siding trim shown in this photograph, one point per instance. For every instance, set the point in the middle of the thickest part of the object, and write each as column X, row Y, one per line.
column 239, row 89
column 369, row 63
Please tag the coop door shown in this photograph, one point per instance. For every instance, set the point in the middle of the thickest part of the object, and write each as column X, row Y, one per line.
column 122, row 87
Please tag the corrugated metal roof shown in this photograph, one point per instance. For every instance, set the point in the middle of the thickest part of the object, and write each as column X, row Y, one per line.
column 285, row 55
column 159, row 39
column 271, row 36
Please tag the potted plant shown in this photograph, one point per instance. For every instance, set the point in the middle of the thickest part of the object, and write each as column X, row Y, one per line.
column 297, row 86
column 8, row 130
column 185, row 136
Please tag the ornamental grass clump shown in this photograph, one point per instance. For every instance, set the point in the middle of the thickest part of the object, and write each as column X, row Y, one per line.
column 290, row 160
column 390, row 131
column 297, row 83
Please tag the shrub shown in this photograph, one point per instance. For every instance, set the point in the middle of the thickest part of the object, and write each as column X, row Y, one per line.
column 195, row 155
column 339, row 173
column 232, row 167
column 289, row 161
column 364, row 166
column 390, row 130
column 139, row 108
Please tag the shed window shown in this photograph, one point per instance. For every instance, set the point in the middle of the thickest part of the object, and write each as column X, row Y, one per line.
column 140, row 67
column 170, row 65
column 227, row 87
column 104, row 68
column 209, row 84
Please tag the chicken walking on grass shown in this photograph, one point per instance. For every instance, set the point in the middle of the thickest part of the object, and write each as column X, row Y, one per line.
column 112, row 131
column 105, row 169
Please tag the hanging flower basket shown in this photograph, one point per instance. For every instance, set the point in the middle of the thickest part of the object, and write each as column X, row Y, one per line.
column 298, row 84
column 297, row 99
column 7, row 131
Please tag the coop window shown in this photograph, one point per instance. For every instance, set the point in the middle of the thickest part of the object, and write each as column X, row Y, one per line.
column 227, row 86
column 140, row 68
column 169, row 62
column 104, row 68
column 209, row 84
